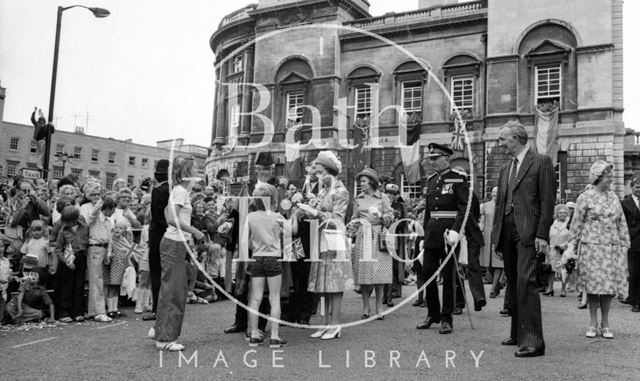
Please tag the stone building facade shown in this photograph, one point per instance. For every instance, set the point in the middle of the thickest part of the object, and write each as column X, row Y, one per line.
column 104, row 158
column 497, row 60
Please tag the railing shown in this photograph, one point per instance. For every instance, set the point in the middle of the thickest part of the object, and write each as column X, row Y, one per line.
column 420, row 14
column 458, row 9
column 237, row 15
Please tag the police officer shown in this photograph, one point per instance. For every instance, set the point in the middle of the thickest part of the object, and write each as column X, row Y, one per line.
column 447, row 193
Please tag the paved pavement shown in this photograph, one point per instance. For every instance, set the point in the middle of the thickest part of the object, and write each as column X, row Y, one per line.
column 120, row 350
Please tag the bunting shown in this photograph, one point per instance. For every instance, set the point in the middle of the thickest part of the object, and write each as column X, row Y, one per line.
column 545, row 133
column 458, row 140
column 293, row 160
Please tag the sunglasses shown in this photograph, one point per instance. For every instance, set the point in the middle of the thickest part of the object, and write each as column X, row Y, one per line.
column 435, row 157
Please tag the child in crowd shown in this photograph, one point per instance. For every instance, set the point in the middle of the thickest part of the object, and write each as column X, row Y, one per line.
column 143, row 292
column 36, row 249
column 213, row 263
column 32, row 299
column 116, row 263
column 198, row 216
column 265, row 227
column 71, row 250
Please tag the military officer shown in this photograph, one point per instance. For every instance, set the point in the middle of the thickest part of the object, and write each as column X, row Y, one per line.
column 447, row 193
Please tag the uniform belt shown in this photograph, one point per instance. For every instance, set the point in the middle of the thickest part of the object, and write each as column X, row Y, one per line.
column 443, row 214
column 105, row 245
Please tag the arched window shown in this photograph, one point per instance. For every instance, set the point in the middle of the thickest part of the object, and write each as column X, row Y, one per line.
column 363, row 85
column 461, row 75
column 548, row 69
column 292, row 80
column 410, row 80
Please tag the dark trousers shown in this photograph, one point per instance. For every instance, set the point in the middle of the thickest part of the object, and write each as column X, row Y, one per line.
column 70, row 287
column 633, row 257
column 508, row 298
column 3, row 307
column 394, row 290
column 431, row 263
column 520, row 264
column 474, row 274
column 155, row 267
column 301, row 302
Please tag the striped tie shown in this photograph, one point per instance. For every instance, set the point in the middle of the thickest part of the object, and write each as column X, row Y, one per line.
column 512, row 184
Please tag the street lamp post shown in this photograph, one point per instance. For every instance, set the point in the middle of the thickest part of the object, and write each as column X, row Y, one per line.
column 63, row 157
column 97, row 12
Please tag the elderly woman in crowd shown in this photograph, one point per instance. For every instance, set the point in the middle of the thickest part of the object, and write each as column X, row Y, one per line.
column 123, row 212
column 558, row 241
column 372, row 214
column 68, row 191
column 599, row 238
column 118, row 184
column 331, row 275
column 173, row 250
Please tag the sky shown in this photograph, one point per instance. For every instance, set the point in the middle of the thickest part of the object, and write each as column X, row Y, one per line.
column 146, row 72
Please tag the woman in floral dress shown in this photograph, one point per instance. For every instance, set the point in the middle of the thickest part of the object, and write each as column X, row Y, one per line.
column 600, row 238
column 372, row 214
column 331, row 275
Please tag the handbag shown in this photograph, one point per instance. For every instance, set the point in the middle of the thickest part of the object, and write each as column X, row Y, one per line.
column 383, row 240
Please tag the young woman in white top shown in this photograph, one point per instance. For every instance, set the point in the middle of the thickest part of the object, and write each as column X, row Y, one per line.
column 173, row 251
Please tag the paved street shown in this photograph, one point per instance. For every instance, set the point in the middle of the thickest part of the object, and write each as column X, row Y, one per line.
column 120, row 350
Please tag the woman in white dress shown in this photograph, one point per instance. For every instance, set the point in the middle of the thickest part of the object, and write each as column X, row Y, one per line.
column 372, row 214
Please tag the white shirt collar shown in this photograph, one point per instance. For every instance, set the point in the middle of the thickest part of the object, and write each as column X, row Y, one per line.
column 521, row 155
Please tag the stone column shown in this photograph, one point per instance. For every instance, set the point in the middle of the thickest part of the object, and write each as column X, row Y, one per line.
column 247, row 96
column 221, row 115
column 215, row 109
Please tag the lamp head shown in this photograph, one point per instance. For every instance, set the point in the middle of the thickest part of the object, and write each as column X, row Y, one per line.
column 100, row 12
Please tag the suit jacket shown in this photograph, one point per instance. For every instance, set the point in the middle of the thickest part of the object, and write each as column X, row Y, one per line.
column 159, row 201
column 534, row 196
column 632, row 214
column 472, row 231
column 447, row 192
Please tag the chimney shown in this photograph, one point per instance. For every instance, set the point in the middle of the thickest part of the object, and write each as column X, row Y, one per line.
column 79, row 130
column 434, row 3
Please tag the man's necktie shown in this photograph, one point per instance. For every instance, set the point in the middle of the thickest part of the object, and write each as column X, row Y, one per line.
column 510, row 186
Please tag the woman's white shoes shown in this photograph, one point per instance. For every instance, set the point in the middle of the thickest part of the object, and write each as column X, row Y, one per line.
column 171, row 346
column 332, row 334
column 319, row 333
column 103, row 318
column 593, row 332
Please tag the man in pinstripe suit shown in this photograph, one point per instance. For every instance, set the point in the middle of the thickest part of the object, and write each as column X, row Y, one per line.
column 524, row 214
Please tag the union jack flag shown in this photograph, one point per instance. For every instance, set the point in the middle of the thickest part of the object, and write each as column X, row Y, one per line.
column 457, row 140
column 133, row 250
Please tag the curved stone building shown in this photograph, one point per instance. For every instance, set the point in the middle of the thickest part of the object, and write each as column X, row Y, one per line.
column 325, row 72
